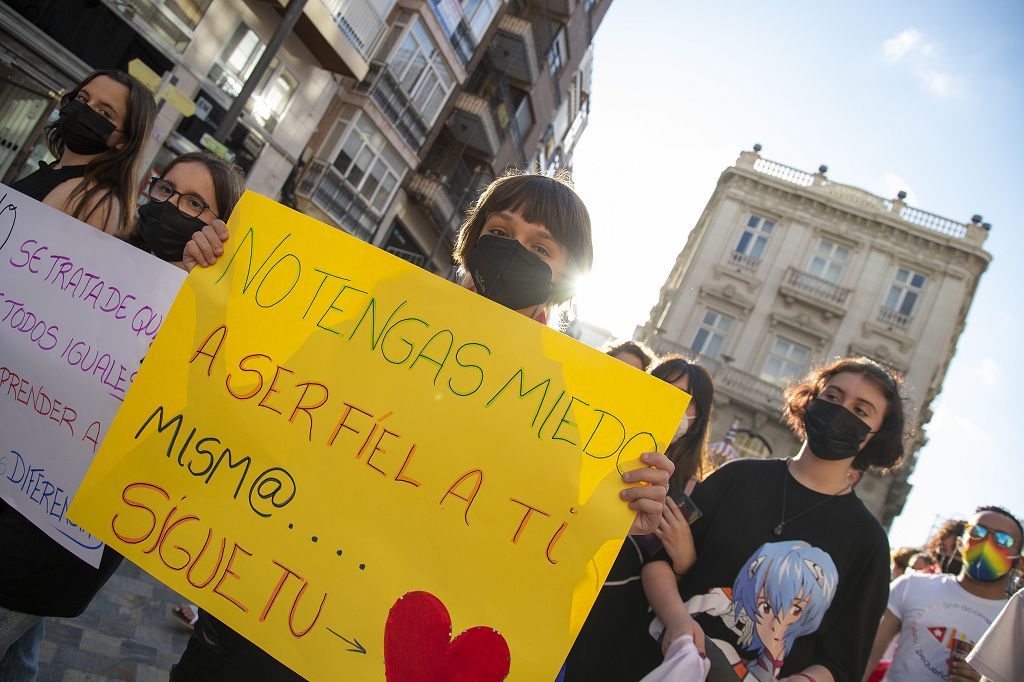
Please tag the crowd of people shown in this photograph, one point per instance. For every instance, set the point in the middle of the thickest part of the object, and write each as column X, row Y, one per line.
column 755, row 570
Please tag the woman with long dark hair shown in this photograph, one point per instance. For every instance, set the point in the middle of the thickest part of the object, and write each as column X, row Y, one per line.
column 98, row 137
column 603, row 650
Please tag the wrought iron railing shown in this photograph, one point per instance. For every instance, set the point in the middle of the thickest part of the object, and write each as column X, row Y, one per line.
column 387, row 92
column 328, row 189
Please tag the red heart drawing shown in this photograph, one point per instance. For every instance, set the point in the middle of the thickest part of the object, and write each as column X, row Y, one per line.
column 418, row 646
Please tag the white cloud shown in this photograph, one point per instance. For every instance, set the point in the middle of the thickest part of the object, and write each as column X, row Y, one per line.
column 936, row 82
column 909, row 47
column 988, row 373
column 900, row 45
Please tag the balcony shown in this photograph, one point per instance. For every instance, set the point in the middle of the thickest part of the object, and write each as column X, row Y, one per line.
column 744, row 262
column 327, row 189
column 974, row 232
column 417, row 259
column 430, row 193
column 513, row 51
column 563, row 7
column 893, row 320
column 737, row 385
column 385, row 90
column 341, row 34
column 819, row 292
column 473, row 123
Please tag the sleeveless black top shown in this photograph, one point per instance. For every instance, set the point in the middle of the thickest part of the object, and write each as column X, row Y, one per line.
column 40, row 183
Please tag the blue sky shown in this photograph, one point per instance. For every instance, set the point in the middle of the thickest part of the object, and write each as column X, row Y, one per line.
column 921, row 96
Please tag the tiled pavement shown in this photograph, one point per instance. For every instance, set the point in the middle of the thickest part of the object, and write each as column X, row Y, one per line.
column 128, row 633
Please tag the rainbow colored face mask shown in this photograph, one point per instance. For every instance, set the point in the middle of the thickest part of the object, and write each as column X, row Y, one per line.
column 988, row 554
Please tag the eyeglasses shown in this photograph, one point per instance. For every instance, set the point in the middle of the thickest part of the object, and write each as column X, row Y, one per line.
column 1002, row 538
column 189, row 205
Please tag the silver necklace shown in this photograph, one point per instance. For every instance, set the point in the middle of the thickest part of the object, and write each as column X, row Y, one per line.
column 777, row 531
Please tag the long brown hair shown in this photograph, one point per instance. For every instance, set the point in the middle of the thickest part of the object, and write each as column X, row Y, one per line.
column 112, row 174
column 689, row 453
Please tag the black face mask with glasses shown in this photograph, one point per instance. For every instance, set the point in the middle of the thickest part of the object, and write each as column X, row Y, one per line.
column 166, row 228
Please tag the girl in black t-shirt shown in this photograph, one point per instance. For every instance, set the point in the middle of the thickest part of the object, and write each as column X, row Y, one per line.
column 791, row 575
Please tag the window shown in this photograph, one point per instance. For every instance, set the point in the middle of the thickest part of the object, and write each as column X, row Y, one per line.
column 272, row 95
column 422, row 72
column 905, row 292
column 787, row 360
column 370, row 165
column 478, row 14
column 558, row 53
column 828, row 260
column 751, row 445
column 711, row 334
column 755, row 237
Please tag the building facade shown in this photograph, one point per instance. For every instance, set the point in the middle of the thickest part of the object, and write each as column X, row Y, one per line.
column 786, row 270
column 384, row 118
column 456, row 93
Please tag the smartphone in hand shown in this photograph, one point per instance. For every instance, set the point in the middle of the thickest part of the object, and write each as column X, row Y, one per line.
column 690, row 510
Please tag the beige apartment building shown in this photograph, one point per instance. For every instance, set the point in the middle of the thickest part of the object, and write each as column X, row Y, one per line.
column 787, row 269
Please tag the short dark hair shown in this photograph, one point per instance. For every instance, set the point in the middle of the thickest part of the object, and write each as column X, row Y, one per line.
column 228, row 179
column 689, row 453
column 885, row 450
column 548, row 201
column 635, row 348
column 1005, row 512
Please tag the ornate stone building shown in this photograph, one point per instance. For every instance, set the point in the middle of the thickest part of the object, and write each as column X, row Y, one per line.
column 787, row 269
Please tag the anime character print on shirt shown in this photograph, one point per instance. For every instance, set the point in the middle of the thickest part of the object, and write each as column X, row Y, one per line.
column 781, row 593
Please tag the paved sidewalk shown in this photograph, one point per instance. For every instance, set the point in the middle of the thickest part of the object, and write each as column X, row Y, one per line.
column 128, row 633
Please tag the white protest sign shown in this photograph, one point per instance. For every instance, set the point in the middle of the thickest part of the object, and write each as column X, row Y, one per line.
column 78, row 310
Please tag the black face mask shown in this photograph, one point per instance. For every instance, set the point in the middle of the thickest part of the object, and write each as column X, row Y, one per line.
column 83, row 130
column 165, row 231
column 833, row 432
column 504, row 271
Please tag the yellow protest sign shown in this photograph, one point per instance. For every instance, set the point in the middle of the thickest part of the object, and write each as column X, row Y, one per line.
column 369, row 471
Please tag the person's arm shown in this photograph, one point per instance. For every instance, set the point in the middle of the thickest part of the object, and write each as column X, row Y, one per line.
column 887, row 630
column 662, row 593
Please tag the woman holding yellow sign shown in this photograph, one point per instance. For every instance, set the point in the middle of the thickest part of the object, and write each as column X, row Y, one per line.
column 524, row 244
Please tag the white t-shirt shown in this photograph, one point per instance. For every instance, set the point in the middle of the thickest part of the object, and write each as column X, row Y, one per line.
column 999, row 655
column 934, row 611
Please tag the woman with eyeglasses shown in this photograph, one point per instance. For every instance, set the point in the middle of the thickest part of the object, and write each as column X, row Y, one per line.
column 195, row 190
column 98, row 136
column 939, row 618
column 602, row 649
column 792, row 570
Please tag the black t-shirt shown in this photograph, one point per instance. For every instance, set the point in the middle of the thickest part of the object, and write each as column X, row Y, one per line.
column 813, row 595
column 43, row 181
column 40, row 577
column 604, row 648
